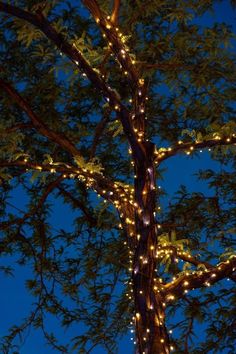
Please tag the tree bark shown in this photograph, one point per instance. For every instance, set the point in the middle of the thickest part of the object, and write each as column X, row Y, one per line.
column 151, row 333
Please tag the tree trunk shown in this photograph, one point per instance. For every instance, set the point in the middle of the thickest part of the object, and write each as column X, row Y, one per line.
column 151, row 333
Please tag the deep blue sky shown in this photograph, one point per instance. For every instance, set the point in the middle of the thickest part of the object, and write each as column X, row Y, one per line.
column 15, row 301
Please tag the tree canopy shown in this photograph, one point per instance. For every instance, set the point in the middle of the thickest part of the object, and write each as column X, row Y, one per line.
column 97, row 99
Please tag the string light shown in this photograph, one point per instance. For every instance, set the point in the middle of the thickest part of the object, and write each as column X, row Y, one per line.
column 165, row 152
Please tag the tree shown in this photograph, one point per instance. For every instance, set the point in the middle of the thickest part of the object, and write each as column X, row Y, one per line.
column 95, row 97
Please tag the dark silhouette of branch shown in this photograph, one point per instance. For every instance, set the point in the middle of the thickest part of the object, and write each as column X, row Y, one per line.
column 167, row 66
column 78, row 204
column 98, row 133
column 19, row 126
column 187, row 335
column 19, row 221
column 38, row 124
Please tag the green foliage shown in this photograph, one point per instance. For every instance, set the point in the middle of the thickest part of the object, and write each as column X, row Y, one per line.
column 26, row 33
column 92, row 166
column 116, row 128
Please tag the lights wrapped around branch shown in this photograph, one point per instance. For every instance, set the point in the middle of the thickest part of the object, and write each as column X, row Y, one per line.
column 188, row 148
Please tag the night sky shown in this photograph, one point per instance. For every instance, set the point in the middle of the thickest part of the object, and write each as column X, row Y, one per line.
column 15, row 300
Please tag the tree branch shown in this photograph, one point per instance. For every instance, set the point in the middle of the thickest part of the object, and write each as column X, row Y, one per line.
column 109, row 190
column 38, row 124
column 50, row 187
column 188, row 334
column 193, row 260
column 19, row 126
column 167, row 66
column 94, row 179
column 138, row 87
column 178, row 287
column 76, row 57
column 19, row 221
column 112, row 35
column 78, row 204
column 73, row 54
column 162, row 155
column 98, row 133
column 186, row 257
column 115, row 12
